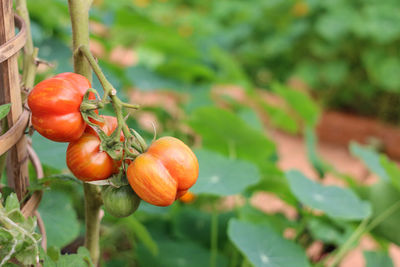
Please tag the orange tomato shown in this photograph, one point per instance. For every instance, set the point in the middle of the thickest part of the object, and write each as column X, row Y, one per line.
column 160, row 174
column 55, row 105
column 84, row 158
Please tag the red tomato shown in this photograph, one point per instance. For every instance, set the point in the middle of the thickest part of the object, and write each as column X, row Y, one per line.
column 166, row 168
column 84, row 158
column 55, row 105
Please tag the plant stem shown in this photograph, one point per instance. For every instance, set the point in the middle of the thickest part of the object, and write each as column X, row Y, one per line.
column 79, row 12
column 214, row 237
column 30, row 52
column 361, row 229
column 349, row 242
column 382, row 216
column 109, row 91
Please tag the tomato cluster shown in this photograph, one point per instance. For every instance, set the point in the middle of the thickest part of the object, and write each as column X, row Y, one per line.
column 159, row 175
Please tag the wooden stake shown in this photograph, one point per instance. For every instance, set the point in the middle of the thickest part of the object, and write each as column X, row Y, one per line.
column 10, row 92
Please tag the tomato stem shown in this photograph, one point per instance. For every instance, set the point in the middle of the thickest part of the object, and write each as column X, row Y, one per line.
column 214, row 236
column 79, row 12
column 118, row 105
column 364, row 227
column 30, row 52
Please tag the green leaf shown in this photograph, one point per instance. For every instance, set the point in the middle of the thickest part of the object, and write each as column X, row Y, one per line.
column 4, row 110
column 277, row 221
column 316, row 161
column 230, row 70
column 5, row 236
column 12, row 203
column 273, row 180
column 300, row 102
column 329, row 232
column 177, row 253
column 47, row 260
column 140, row 231
column 334, row 72
column 382, row 196
column 335, row 201
column 225, row 132
column 191, row 223
column 222, row 176
column 378, row 21
column 280, row 118
column 382, row 68
column 251, row 118
column 263, row 247
column 333, row 26
column 377, row 258
column 59, row 218
column 370, row 158
column 392, row 169
column 50, row 153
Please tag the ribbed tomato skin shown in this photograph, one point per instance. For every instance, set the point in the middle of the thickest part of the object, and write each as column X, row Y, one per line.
column 84, row 158
column 167, row 168
column 55, row 105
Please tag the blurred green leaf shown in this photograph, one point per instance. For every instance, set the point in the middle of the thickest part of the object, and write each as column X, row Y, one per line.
column 4, row 110
column 334, row 72
column 377, row 258
column 336, row 202
column 382, row 68
column 382, row 196
column 194, row 224
column 146, row 79
column 264, row 247
column 226, row 133
column 280, row 118
column 329, row 232
column 12, row 203
column 59, row 218
column 311, row 145
column 277, row 222
column 222, row 176
column 229, row 71
column 177, row 253
column 273, row 180
column 140, row 231
column 300, row 102
column 370, row 158
column 251, row 118
column 379, row 22
column 50, row 153
column 334, row 25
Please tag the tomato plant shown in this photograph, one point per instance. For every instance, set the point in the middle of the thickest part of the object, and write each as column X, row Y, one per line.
column 55, row 105
column 165, row 169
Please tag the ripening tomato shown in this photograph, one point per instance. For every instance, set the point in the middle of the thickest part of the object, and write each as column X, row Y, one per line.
column 84, row 158
column 55, row 105
column 160, row 174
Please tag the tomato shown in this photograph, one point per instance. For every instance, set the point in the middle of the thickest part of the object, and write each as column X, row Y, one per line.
column 120, row 202
column 55, row 105
column 165, row 169
column 187, row 197
column 84, row 158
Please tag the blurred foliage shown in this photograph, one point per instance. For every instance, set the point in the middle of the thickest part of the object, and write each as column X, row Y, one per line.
column 195, row 65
